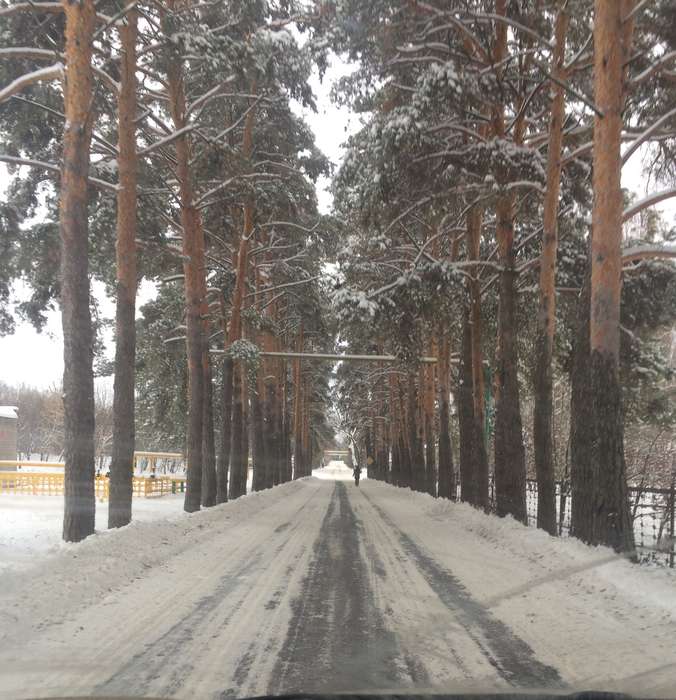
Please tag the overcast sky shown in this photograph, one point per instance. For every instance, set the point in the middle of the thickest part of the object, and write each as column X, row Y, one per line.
column 32, row 358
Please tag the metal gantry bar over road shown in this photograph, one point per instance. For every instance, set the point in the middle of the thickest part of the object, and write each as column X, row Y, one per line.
column 331, row 356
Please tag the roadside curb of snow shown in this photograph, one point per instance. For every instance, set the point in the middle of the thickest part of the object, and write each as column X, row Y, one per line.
column 75, row 575
column 648, row 587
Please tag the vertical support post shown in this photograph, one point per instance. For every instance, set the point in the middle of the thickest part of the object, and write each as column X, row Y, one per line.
column 671, row 521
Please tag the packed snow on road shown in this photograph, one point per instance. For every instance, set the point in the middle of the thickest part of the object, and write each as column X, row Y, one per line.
column 320, row 585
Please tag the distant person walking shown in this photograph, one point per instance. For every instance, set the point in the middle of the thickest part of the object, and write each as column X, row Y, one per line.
column 356, row 472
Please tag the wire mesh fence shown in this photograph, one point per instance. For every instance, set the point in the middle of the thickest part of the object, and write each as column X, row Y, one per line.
column 652, row 511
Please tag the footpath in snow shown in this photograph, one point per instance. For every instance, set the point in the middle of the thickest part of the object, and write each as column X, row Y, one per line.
column 320, row 585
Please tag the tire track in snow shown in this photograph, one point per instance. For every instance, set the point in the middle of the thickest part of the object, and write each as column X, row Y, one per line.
column 426, row 630
column 223, row 614
column 337, row 639
column 513, row 658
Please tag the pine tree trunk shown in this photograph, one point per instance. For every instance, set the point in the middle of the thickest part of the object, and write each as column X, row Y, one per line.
column 226, row 427
column 468, row 481
column 271, row 432
column 447, row 486
column 307, row 422
column 613, row 518
column 246, row 442
column 282, row 421
column 369, row 446
column 481, row 459
column 416, row 457
column 478, row 442
column 209, row 477
column 544, row 344
column 583, row 437
column 510, row 460
column 275, row 430
column 386, row 456
column 122, row 458
column 78, row 378
column 193, row 267
column 258, row 430
column 286, row 429
column 395, row 423
column 415, row 436
column 239, row 438
column 298, row 470
column 405, row 465
column 237, row 425
column 429, row 428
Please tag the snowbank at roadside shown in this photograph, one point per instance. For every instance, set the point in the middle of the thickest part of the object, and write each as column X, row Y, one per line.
column 602, row 621
column 646, row 585
column 31, row 525
column 73, row 575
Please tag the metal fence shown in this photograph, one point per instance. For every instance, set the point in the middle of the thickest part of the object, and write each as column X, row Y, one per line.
column 53, row 484
column 652, row 510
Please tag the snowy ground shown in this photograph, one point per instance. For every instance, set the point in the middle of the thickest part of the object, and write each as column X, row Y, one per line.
column 30, row 526
column 318, row 584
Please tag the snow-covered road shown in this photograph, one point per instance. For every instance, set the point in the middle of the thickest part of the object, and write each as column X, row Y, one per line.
column 318, row 585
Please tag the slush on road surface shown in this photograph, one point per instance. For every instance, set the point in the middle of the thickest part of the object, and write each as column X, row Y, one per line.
column 317, row 585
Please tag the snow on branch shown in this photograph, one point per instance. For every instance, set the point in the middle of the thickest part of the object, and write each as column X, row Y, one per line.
column 646, row 252
column 292, row 224
column 284, row 286
column 515, row 25
column 645, row 135
column 52, row 72
column 49, row 8
column 565, row 85
column 28, row 52
column 46, row 7
column 208, row 95
column 55, row 169
column 653, row 68
column 454, row 23
column 47, row 55
column 646, row 202
column 166, row 141
column 528, row 184
column 110, row 21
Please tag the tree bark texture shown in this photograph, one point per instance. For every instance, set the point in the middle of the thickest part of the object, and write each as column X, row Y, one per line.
column 544, row 344
column 510, row 459
column 613, row 519
column 223, row 464
column 209, row 477
column 298, row 467
column 122, row 458
column 193, row 269
column 583, row 433
column 239, row 440
column 510, row 462
column 78, row 378
column 468, row 478
column 429, row 376
column 447, row 486
column 476, row 366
